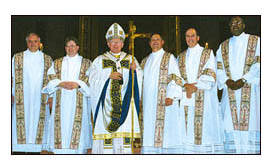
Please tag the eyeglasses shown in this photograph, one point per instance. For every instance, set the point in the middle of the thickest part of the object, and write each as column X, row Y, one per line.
column 235, row 23
column 71, row 46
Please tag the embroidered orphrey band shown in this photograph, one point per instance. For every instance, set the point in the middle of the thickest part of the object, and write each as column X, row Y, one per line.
column 76, row 131
column 19, row 95
column 19, row 99
column 242, row 123
column 199, row 96
column 41, row 122
column 115, row 95
column 160, row 112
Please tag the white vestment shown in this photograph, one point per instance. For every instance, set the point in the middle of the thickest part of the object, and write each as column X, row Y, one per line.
column 116, row 142
column 70, row 72
column 173, row 121
column 212, row 138
column 236, row 141
column 33, row 72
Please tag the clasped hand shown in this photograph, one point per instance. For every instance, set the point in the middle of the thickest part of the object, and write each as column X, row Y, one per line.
column 190, row 89
column 68, row 85
column 119, row 76
column 235, row 85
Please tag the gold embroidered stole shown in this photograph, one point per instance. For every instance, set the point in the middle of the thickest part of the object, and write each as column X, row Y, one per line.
column 76, row 131
column 241, row 124
column 160, row 112
column 19, row 96
column 115, row 94
column 41, row 122
column 19, row 99
column 141, row 122
column 199, row 95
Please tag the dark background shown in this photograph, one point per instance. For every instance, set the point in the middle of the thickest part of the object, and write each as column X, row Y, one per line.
column 54, row 29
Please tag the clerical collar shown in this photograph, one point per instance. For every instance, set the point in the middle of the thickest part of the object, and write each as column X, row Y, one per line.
column 159, row 51
column 117, row 55
column 240, row 36
column 69, row 57
column 193, row 48
column 36, row 52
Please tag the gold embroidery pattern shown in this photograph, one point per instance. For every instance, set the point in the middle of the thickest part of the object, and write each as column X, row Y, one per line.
column 19, row 98
column 84, row 67
column 198, row 119
column 182, row 65
column 160, row 112
column 140, row 118
column 175, row 78
column 57, row 126
column 51, row 77
column 41, row 122
column 209, row 72
column 243, row 123
column 115, row 135
column 199, row 98
column 115, row 95
column 219, row 66
column 186, row 116
column 76, row 132
column 142, row 65
column 257, row 60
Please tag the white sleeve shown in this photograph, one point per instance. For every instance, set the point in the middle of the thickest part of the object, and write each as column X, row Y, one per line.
column 253, row 75
column 52, row 85
column 207, row 81
column 174, row 90
column 221, row 73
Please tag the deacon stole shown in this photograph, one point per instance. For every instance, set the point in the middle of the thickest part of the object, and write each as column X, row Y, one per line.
column 19, row 98
column 199, row 96
column 241, row 123
column 163, row 81
column 76, row 131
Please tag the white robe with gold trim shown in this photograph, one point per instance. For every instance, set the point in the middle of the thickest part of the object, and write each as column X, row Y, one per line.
column 240, row 141
column 98, row 77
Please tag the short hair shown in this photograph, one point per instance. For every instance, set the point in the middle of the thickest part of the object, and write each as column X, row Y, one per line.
column 31, row 34
column 243, row 21
column 192, row 28
column 72, row 38
column 156, row 34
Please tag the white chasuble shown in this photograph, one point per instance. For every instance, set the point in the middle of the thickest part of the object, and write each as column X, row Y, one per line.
column 70, row 123
column 111, row 135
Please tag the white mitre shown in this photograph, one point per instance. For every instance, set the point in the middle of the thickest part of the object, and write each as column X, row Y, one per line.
column 115, row 31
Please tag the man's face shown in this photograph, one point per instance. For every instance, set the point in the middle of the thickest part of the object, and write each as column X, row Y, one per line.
column 71, row 48
column 33, row 43
column 191, row 38
column 156, row 42
column 115, row 45
column 236, row 26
